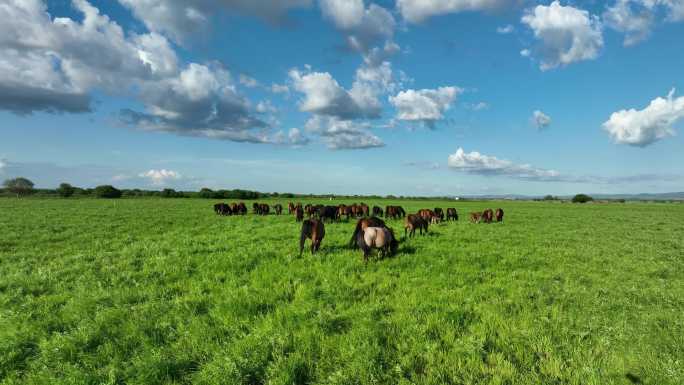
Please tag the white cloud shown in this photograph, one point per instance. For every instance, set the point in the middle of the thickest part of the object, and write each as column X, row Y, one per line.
column 480, row 164
column 540, row 119
column 343, row 134
column 643, row 127
column 160, row 177
column 344, row 13
column 324, row 96
column 248, row 81
column 630, row 17
column 180, row 19
column 426, row 105
column 416, row 11
column 265, row 106
column 479, row 106
column 280, row 89
column 566, row 34
column 505, row 29
column 3, row 164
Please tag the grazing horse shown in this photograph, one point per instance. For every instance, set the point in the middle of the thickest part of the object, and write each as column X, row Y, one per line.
column 394, row 212
column 488, row 216
column 377, row 211
column 222, row 209
column 364, row 210
column 435, row 219
column 314, row 230
column 290, row 208
column 309, row 210
column 361, row 225
column 499, row 215
column 278, row 208
column 256, row 208
column 299, row 214
column 380, row 238
column 242, row 208
column 342, row 210
column 327, row 212
column 413, row 222
column 439, row 213
column 475, row 217
column 426, row 214
column 234, row 208
column 451, row 213
column 264, row 209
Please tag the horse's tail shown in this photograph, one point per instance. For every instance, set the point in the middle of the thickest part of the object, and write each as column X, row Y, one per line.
column 352, row 241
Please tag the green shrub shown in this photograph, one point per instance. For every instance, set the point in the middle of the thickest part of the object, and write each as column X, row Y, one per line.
column 65, row 190
column 107, row 191
column 582, row 198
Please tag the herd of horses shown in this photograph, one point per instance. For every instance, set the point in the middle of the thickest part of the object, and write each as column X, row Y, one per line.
column 370, row 232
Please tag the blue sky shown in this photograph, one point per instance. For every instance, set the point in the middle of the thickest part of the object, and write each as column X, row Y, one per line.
column 448, row 97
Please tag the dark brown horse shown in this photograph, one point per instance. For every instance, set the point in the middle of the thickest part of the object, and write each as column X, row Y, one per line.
column 426, row 214
column 263, row 209
column 290, row 208
column 314, row 230
column 222, row 209
column 488, row 216
column 242, row 208
column 361, row 225
column 499, row 214
column 451, row 214
column 299, row 214
column 413, row 222
column 439, row 213
column 278, row 208
column 377, row 211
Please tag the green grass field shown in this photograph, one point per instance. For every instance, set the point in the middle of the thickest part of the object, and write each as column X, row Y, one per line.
column 155, row 291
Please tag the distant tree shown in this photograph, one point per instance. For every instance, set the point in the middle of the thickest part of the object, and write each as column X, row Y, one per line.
column 107, row 191
column 582, row 198
column 206, row 193
column 19, row 186
column 65, row 190
column 168, row 193
column 550, row 198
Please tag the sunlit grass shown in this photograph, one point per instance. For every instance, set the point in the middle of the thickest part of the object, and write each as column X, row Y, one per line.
column 163, row 291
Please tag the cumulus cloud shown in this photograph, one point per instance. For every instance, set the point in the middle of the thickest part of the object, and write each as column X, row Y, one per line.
column 643, row 127
column 324, row 96
column 480, row 164
column 416, row 11
column 566, row 34
column 201, row 101
column 426, row 105
column 368, row 31
column 633, row 18
column 180, row 19
column 343, row 134
column 160, row 177
column 47, row 64
column 540, row 119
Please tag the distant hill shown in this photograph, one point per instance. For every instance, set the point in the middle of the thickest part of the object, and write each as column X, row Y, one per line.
column 628, row 197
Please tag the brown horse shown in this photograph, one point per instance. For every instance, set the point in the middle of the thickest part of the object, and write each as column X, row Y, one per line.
column 299, row 214
column 475, row 217
column 380, row 238
column 242, row 208
column 314, row 230
column 488, row 216
column 499, row 215
column 290, row 208
column 361, row 225
column 263, row 209
column 451, row 214
column 426, row 214
column 413, row 222
column 278, row 208
column 377, row 211
column 439, row 213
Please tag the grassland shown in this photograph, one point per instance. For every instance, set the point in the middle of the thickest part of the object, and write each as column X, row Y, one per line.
column 164, row 291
